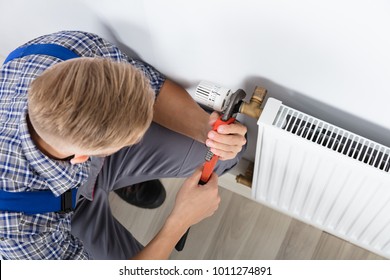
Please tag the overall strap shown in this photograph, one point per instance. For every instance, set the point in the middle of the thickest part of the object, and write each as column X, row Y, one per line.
column 38, row 202
column 44, row 49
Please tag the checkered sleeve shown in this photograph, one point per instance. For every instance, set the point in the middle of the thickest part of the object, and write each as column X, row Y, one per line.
column 155, row 78
column 104, row 48
column 38, row 237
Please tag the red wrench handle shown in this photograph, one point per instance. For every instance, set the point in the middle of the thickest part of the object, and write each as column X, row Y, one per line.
column 208, row 169
column 208, row 166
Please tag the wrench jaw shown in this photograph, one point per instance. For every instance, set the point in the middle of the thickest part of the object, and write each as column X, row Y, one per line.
column 234, row 104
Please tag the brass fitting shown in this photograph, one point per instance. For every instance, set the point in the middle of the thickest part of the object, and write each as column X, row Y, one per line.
column 248, row 177
column 252, row 109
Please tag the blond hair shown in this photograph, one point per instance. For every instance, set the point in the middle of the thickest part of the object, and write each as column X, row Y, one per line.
column 91, row 103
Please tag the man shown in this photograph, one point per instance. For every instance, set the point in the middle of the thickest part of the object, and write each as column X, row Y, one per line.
column 86, row 123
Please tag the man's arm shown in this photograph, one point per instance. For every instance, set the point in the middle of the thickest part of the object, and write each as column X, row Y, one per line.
column 176, row 110
column 193, row 204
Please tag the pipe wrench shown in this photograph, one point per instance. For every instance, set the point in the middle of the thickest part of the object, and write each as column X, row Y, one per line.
column 228, row 117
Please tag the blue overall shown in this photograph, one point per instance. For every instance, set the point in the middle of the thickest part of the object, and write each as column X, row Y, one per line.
column 161, row 153
column 38, row 202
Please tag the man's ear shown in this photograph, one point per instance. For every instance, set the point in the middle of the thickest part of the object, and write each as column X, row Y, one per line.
column 79, row 159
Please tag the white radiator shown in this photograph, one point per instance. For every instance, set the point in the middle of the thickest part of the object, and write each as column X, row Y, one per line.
column 323, row 175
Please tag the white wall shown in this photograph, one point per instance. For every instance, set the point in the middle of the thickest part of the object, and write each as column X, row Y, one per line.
column 328, row 58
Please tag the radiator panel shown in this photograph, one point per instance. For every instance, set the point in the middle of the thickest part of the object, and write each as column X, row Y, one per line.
column 331, row 182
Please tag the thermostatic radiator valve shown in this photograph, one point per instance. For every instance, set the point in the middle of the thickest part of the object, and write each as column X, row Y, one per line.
column 212, row 96
column 216, row 97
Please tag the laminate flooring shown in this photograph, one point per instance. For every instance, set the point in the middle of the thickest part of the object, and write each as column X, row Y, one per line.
column 240, row 229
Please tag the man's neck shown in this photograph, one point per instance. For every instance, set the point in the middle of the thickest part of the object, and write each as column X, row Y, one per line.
column 44, row 147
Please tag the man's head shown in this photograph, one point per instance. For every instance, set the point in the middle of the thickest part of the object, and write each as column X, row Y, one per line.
column 90, row 106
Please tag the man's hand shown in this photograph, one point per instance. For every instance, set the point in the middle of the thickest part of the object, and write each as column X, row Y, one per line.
column 194, row 202
column 228, row 141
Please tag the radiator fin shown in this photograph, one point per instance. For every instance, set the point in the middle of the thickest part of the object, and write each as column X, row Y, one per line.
column 325, row 176
column 333, row 138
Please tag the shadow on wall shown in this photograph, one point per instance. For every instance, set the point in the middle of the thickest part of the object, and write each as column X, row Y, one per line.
column 321, row 110
column 288, row 96
column 139, row 33
column 113, row 37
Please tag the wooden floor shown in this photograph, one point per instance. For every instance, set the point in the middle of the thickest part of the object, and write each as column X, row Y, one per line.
column 240, row 229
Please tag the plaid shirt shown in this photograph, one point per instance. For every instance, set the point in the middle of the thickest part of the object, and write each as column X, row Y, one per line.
column 24, row 168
